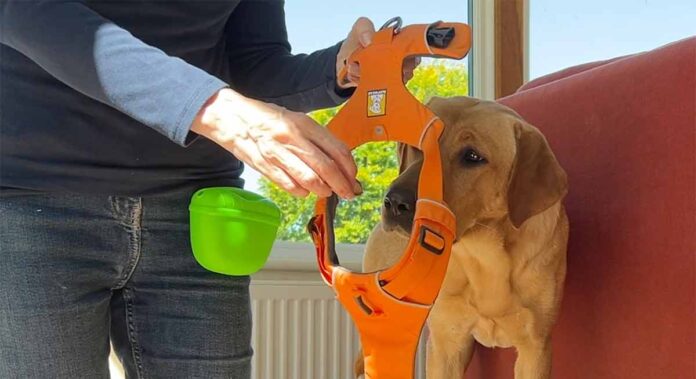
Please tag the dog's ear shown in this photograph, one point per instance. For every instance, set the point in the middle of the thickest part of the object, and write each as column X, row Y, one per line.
column 448, row 107
column 537, row 181
column 407, row 155
column 402, row 154
column 439, row 105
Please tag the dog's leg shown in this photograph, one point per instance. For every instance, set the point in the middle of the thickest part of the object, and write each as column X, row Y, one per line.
column 466, row 353
column 448, row 362
column 533, row 361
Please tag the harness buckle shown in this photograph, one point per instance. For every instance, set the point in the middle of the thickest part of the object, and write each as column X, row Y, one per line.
column 431, row 241
column 439, row 37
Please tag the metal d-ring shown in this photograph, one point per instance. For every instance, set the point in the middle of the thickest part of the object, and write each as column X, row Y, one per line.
column 394, row 21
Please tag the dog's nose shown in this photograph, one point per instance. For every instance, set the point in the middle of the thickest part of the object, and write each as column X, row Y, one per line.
column 400, row 202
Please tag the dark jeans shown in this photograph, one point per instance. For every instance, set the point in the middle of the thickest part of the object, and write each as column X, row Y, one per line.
column 79, row 271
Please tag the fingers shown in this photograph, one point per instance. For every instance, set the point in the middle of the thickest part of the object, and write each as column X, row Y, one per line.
column 339, row 153
column 353, row 73
column 328, row 157
column 359, row 36
column 307, row 153
column 291, row 159
column 409, row 66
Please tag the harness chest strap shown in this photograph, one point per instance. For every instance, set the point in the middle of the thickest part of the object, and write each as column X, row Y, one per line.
column 387, row 318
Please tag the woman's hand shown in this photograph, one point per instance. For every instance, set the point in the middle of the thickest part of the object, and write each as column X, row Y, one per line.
column 361, row 36
column 289, row 148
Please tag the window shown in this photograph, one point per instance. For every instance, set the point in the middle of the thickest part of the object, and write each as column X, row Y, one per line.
column 568, row 33
column 316, row 24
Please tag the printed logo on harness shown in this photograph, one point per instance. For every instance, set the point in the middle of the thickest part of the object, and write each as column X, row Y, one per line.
column 376, row 103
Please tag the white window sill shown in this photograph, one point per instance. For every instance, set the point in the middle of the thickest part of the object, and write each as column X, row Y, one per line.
column 301, row 256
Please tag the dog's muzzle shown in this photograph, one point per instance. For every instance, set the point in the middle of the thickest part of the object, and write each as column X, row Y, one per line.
column 398, row 210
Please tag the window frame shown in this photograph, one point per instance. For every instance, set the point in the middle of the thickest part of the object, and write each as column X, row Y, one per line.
column 482, row 56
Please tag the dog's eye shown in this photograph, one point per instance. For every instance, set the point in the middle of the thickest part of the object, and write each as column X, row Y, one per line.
column 472, row 157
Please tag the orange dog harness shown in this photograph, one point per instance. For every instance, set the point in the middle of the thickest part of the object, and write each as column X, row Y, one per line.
column 390, row 307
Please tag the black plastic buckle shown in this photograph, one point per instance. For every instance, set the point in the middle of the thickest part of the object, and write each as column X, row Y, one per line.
column 439, row 37
column 421, row 240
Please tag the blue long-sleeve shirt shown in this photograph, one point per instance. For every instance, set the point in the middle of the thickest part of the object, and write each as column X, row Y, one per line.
column 98, row 96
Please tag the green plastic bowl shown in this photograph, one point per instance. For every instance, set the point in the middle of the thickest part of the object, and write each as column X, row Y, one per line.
column 232, row 230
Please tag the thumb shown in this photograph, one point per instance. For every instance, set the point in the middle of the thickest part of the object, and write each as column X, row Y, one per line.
column 364, row 29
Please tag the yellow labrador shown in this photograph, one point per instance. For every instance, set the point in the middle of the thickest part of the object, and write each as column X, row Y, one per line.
column 504, row 282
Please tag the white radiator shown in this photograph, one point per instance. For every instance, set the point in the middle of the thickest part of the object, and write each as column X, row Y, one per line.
column 300, row 330
column 301, row 333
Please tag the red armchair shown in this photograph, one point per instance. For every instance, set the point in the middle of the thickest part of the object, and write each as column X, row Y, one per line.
column 625, row 131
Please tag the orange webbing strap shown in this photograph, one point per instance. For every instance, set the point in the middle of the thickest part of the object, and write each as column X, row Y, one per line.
column 390, row 325
column 390, row 307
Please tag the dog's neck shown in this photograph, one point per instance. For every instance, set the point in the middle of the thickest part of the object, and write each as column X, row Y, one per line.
column 501, row 231
column 488, row 256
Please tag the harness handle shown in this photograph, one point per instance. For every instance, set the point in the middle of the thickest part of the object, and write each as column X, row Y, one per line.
column 394, row 22
column 438, row 37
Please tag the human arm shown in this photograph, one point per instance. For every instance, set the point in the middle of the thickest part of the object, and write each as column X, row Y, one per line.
column 262, row 66
column 96, row 57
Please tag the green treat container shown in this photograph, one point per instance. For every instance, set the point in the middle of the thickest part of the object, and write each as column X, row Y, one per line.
column 232, row 230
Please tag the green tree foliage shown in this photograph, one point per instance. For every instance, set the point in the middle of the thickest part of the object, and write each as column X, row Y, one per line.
column 377, row 166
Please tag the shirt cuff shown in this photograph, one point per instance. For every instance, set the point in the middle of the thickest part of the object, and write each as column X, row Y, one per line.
column 182, row 134
column 337, row 94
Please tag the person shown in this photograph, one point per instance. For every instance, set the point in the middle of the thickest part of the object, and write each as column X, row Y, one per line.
column 112, row 115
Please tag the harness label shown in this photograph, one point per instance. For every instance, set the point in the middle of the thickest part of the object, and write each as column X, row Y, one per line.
column 376, row 103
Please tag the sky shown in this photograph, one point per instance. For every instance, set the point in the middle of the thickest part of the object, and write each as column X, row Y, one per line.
column 562, row 33
column 315, row 24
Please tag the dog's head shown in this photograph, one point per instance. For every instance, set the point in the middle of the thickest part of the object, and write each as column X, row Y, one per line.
column 495, row 166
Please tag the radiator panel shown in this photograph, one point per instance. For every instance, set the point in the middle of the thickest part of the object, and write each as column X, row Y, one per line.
column 301, row 332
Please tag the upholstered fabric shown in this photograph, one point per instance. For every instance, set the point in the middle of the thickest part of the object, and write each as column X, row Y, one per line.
column 625, row 131
column 566, row 72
